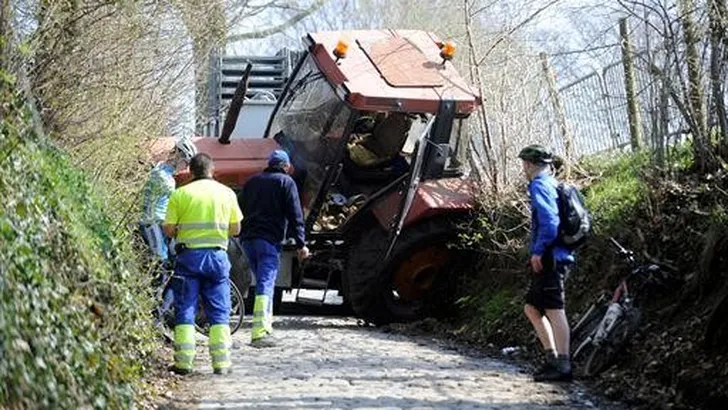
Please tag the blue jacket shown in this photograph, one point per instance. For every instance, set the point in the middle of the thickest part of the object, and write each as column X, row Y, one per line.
column 270, row 205
column 545, row 217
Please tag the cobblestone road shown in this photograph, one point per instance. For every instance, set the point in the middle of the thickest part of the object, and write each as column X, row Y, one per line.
column 325, row 362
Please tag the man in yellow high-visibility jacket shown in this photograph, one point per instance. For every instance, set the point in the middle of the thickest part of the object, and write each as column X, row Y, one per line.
column 201, row 216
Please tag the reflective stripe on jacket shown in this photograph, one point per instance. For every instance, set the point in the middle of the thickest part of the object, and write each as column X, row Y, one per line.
column 202, row 211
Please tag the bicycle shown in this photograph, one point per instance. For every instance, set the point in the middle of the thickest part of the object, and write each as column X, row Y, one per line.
column 604, row 329
column 165, row 309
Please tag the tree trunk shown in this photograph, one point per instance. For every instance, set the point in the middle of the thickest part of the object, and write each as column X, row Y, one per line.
column 664, row 122
column 559, row 110
column 5, row 35
column 475, row 76
column 202, row 51
column 695, row 89
column 717, row 17
column 633, row 112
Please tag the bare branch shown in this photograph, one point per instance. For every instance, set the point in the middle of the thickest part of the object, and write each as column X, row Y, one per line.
column 516, row 28
column 278, row 28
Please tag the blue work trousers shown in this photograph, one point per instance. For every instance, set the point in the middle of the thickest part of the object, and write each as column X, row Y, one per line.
column 203, row 272
column 264, row 262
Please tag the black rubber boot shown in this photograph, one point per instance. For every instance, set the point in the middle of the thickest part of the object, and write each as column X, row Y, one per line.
column 547, row 366
column 553, row 375
column 549, row 363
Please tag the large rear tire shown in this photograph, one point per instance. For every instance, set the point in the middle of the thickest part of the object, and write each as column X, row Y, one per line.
column 414, row 283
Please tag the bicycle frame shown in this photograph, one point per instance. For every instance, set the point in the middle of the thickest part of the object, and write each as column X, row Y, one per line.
column 619, row 304
column 622, row 289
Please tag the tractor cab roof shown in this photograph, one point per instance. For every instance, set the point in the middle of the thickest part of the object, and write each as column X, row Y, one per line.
column 392, row 70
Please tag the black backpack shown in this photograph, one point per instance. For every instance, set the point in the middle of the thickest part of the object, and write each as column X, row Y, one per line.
column 574, row 218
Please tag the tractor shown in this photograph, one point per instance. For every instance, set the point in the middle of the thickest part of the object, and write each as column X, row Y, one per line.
column 375, row 123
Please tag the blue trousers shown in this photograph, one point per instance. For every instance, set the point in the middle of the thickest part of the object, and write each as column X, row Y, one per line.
column 155, row 239
column 203, row 272
column 263, row 259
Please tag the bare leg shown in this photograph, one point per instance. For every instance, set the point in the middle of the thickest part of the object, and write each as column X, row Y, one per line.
column 542, row 326
column 557, row 318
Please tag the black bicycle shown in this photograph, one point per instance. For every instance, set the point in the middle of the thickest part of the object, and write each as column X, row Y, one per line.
column 165, row 313
column 604, row 329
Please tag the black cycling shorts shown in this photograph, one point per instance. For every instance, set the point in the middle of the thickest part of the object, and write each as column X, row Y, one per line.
column 547, row 288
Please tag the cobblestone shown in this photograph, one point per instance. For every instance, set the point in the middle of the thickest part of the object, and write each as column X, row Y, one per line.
column 325, row 362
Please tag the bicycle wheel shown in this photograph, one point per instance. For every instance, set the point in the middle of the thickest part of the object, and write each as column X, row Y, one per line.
column 164, row 314
column 603, row 355
column 588, row 323
column 237, row 312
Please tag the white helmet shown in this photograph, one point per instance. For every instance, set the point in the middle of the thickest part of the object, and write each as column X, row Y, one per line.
column 186, row 148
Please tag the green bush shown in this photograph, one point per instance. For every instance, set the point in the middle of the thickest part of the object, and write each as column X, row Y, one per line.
column 74, row 324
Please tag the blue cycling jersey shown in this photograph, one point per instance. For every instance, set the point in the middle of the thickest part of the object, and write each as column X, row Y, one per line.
column 158, row 189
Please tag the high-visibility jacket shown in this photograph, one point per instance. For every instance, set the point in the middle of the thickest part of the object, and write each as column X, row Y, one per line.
column 202, row 211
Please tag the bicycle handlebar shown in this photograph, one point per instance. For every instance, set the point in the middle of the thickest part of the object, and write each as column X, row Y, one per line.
column 617, row 245
column 624, row 252
column 649, row 270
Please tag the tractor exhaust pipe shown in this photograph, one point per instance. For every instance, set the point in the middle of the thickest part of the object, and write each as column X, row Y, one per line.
column 236, row 104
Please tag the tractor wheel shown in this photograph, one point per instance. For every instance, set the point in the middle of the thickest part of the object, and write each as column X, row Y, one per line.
column 416, row 280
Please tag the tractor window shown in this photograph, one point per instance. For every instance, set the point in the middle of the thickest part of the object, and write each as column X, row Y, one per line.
column 309, row 125
column 418, row 127
column 459, row 141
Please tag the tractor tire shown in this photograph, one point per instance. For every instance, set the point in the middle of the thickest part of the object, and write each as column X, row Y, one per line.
column 415, row 281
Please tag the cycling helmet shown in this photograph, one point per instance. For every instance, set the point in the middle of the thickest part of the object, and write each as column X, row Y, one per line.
column 536, row 154
column 186, row 148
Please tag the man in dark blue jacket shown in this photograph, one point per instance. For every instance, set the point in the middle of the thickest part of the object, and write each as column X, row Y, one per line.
column 550, row 266
column 270, row 206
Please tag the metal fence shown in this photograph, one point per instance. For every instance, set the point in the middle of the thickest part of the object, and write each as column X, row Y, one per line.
column 595, row 109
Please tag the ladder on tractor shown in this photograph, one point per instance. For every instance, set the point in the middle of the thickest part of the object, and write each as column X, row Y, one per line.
column 308, row 283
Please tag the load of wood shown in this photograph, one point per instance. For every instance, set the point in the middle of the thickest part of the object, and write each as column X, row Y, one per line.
column 337, row 210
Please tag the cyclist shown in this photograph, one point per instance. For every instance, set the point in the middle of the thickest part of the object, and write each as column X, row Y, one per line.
column 550, row 266
column 157, row 190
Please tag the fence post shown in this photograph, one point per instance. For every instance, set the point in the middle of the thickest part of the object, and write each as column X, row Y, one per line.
column 559, row 110
column 633, row 113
